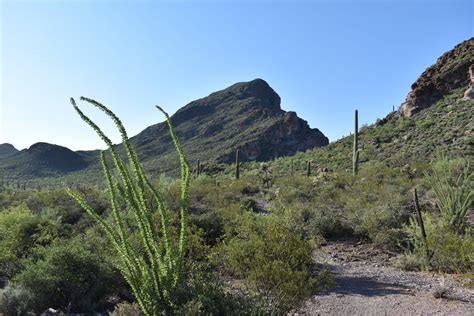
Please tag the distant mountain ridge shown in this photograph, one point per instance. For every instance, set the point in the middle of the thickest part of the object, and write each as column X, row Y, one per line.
column 437, row 114
column 246, row 115
column 43, row 160
column 7, row 150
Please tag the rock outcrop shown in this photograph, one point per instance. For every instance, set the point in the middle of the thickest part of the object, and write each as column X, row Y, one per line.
column 450, row 72
column 469, row 94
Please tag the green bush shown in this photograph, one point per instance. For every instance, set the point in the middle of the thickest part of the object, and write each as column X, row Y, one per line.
column 66, row 276
column 21, row 230
column 425, row 124
column 273, row 259
column 203, row 293
column 126, row 309
column 212, row 225
column 14, row 301
column 377, row 203
column 17, row 225
column 448, row 251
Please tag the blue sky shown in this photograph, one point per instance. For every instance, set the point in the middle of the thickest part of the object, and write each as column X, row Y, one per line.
column 324, row 58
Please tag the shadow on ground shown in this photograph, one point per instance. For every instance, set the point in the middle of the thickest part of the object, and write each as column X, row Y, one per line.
column 364, row 286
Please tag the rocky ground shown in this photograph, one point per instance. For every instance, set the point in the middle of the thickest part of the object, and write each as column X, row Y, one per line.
column 367, row 283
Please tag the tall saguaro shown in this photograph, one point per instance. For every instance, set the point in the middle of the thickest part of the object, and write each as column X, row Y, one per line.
column 355, row 153
column 237, row 164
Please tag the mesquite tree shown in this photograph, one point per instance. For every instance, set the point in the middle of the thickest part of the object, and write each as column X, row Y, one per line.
column 154, row 270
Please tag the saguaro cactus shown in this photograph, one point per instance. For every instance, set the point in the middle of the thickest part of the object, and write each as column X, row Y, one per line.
column 308, row 171
column 355, row 154
column 237, row 164
column 419, row 219
column 198, row 168
column 291, row 168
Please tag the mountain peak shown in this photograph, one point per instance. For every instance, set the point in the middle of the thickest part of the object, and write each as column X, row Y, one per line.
column 246, row 115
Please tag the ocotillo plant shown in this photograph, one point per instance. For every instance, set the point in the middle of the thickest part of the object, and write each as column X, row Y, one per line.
column 355, row 153
column 237, row 164
column 154, row 269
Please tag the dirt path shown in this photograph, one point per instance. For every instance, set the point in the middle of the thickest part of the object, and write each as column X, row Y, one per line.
column 368, row 284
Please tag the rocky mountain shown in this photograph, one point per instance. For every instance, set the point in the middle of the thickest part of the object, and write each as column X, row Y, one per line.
column 246, row 115
column 450, row 72
column 7, row 150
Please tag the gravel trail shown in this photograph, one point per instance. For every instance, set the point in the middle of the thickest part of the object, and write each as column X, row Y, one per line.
column 367, row 283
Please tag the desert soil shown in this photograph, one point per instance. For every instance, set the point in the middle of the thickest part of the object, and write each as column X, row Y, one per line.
column 368, row 283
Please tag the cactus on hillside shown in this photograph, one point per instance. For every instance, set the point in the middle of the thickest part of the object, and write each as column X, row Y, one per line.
column 237, row 164
column 355, row 153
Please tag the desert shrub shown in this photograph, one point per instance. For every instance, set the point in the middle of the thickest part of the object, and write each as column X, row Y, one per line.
column 126, row 309
column 327, row 221
column 14, row 301
column 452, row 183
column 17, row 225
column 273, row 259
column 212, row 225
column 67, row 276
column 198, row 249
column 411, row 262
column 248, row 203
column 203, row 293
column 425, row 124
column 250, row 189
column 21, row 230
column 448, row 251
column 377, row 203
column 403, row 123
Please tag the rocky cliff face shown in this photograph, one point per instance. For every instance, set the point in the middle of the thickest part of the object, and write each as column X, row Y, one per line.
column 450, row 72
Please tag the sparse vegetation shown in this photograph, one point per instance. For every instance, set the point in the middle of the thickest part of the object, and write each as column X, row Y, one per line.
column 238, row 238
